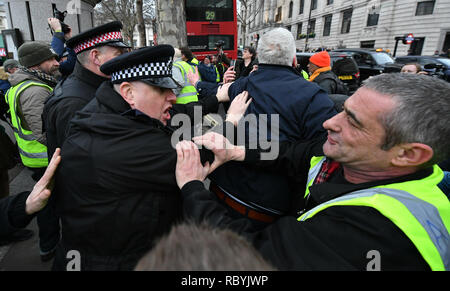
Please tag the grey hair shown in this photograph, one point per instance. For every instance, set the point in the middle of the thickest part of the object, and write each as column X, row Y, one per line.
column 200, row 247
column 276, row 47
column 83, row 57
column 421, row 114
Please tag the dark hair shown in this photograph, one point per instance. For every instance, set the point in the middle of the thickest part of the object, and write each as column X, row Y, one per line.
column 186, row 52
column 192, row 247
column 251, row 50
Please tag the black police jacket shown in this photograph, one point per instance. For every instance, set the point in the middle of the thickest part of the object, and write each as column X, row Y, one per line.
column 117, row 179
column 68, row 97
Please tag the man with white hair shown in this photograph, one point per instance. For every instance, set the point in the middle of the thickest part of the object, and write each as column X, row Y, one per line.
column 277, row 90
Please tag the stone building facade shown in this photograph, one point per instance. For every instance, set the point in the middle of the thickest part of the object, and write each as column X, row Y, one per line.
column 30, row 17
column 356, row 23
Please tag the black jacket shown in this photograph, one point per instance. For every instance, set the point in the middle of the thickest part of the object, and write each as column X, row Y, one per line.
column 329, row 82
column 301, row 108
column 12, row 214
column 117, row 179
column 242, row 70
column 69, row 96
column 337, row 238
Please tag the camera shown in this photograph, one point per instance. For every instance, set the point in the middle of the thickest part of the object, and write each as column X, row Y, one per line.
column 219, row 44
column 60, row 16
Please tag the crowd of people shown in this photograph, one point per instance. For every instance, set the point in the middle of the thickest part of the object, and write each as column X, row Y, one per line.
column 296, row 179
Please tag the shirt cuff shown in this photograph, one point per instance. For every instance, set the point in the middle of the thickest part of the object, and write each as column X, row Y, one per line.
column 17, row 216
column 192, row 186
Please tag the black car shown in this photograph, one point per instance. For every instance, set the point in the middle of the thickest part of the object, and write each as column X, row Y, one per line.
column 342, row 64
column 372, row 62
column 442, row 64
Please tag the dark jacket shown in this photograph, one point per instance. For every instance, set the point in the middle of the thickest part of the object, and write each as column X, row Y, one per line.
column 4, row 86
column 12, row 213
column 117, row 176
column 69, row 96
column 58, row 45
column 242, row 70
column 223, row 62
column 301, row 107
column 338, row 238
column 329, row 82
column 207, row 73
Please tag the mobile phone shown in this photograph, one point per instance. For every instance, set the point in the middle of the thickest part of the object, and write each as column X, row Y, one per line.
column 232, row 63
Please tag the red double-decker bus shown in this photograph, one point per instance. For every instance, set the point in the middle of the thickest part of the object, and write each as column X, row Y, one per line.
column 209, row 22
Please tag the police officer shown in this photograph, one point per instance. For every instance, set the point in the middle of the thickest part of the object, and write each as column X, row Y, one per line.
column 93, row 47
column 118, row 164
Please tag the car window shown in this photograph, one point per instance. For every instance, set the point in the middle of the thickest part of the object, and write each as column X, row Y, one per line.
column 445, row 61
column 359, row 58
column 383, row 58
column 405, row 60
column 424, row 61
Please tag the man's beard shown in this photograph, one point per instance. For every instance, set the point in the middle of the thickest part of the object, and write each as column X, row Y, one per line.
column 57, row 74
column 54, row 72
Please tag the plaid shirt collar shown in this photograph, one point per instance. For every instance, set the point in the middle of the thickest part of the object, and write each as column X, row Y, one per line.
column 327, row 169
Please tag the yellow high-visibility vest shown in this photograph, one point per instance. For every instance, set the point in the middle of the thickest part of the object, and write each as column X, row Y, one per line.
column 32, row 152
column 188, row 93
column 417, row 207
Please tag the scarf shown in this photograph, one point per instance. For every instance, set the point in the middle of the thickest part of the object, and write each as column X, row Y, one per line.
column 44, row 77
column 317, row 73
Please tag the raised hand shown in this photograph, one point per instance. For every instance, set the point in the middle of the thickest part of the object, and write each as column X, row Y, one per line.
column 238, row 107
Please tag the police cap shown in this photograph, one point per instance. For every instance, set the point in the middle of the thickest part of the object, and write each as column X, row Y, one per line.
column 108, row 34
column 152, row 65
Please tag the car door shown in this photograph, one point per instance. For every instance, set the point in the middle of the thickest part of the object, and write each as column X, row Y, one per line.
column 365, row 63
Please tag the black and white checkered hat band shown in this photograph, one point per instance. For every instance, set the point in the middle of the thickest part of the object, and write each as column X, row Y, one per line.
column 143, row 71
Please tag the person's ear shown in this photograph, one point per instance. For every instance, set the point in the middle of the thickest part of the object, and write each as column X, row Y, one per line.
column 126, row 91
column 94, row 55
column 412, row 154
column 294, row 62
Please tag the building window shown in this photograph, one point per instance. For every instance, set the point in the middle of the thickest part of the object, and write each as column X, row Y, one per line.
column 311, row 26
column 372, row 19
column 299, row 30
column 346, row 21
column 302, row 5
column 367, row 44
column 278, row 16
column 289, row 27
column 329, row 2
column 313, row 4
column 291, row 6
column 327, row 24
column 425, row 8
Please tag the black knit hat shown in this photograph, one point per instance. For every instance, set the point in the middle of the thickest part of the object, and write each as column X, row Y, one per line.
column 34, row 53
column 108, row 34
column 152, row 65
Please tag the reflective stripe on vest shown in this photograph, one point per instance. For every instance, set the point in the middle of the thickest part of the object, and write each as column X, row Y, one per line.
column 315, row 166
column 305, row 75
column 217, row 74
column 32, row 153
column 423, row 217
column 188, row 93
